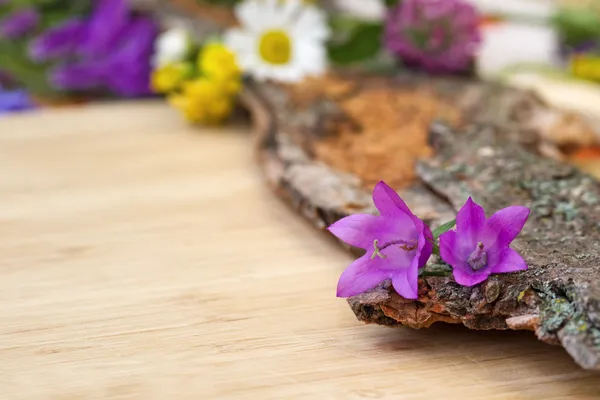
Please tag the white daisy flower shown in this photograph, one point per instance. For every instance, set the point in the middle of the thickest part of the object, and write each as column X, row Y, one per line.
column 172, row 46
column 279, row 40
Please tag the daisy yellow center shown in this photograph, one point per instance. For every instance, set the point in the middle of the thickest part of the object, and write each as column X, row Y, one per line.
column 275, row 47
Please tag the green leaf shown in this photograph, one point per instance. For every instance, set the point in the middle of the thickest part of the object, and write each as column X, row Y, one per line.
column 577, row 26
column 364, row 42
column 443, row 229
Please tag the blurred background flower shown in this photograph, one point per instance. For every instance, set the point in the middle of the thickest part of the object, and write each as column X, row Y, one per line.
column 110, row 51
column 172, row 46
column 202, row 81
column 434, row 35
column 283, row 41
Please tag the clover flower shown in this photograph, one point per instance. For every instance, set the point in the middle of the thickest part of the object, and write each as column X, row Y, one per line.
column 435, row 35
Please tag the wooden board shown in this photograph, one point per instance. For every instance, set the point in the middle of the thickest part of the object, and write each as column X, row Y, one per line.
column 142, row 259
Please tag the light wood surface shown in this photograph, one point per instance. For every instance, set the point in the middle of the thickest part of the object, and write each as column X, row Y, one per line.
column 142, row 259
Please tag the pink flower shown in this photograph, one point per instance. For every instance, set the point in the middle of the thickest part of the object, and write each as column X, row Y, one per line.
column 435, row 35
column 479, row 246
column 397, row 244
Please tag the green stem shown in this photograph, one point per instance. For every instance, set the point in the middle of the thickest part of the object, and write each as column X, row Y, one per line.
column 435, row 248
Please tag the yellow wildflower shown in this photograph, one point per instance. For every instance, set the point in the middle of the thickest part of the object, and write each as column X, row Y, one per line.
column 218, row 62
column 169, row 77
column 203, row 101
column 586, row 67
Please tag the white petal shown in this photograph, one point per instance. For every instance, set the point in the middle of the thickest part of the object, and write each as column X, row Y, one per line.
column 289, row 11
column 250, row 14
column 171, row 46
column 310, row 56
column 262, row 72
column 312, row 23
column 293, row 74
column 240, row 41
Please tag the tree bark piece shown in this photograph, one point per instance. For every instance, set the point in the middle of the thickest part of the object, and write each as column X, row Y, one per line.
column 500, row 151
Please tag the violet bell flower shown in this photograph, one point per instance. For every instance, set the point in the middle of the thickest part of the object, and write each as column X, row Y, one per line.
column 439, row 36
column 397, row 244
column 111, row 50
column 479, row 246
column 19, row 23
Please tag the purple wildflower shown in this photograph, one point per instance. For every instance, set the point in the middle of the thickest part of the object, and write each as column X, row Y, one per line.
column 479, row 246
column 397, row 243
column 110, row 50
column 19, row 23
column 14, row 100
column 435, row 35
column 59, row 41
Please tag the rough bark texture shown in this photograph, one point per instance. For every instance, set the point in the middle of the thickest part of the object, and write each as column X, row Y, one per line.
column 500, row 154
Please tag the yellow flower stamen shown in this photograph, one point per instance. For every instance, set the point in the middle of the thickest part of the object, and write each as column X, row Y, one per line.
column 275, row 47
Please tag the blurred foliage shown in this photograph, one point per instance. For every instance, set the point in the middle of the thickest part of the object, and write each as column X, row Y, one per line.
column 354, row 41
column 577, row 26
column 14, row 57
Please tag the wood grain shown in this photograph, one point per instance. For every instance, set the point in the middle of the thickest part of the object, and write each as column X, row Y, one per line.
column 142, row 259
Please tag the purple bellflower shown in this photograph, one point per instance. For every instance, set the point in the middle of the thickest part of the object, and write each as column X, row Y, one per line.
column 438, row 36
column 397, row 244
column 479, row 246
column 109, row 50
column 19, row 23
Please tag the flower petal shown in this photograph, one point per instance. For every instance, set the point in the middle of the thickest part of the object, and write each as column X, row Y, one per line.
column 82, row 76
column 358, row 230
column 425, row 245
column 467, row 278
column 503, row 227
column 449, row 250
column 312, row 24
column 288, row 10
column 511, row 261
column 57, row 42
column 359, row 277
column 469, row 223
column 388, row 202
column 252, row 14
column 108, row 13
column 310, row 57
column 405, row 282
